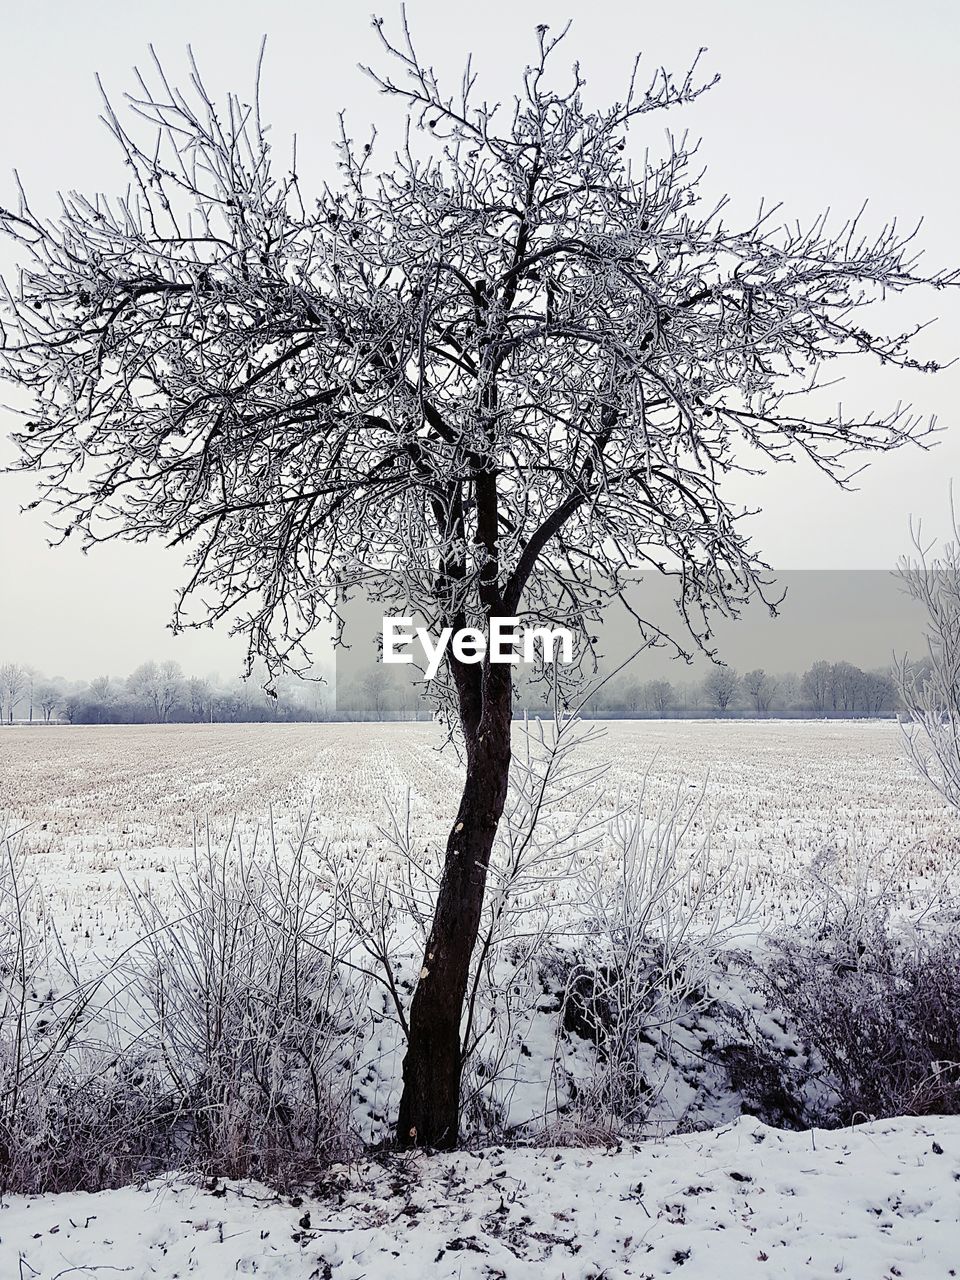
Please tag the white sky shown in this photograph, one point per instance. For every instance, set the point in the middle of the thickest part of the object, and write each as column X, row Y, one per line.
column 821, row 103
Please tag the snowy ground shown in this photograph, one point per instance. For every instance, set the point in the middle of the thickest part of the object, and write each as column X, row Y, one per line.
column 873, row 1203
column 104, row 805
column 98, row 800
column 93, row 791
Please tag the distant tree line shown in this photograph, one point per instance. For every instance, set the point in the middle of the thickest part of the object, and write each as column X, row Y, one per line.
column 159, row 692
column 836, row 690
column 381, row 693
column 156, row 692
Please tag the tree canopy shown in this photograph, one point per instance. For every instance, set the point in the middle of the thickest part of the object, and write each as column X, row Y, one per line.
column 498, row 371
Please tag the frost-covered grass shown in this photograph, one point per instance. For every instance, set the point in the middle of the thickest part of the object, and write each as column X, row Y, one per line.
column 101, row 801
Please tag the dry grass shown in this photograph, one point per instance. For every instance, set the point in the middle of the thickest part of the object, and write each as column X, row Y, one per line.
column 97, row 800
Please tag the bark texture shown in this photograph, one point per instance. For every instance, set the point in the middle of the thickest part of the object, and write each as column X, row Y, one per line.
column 430, row 1103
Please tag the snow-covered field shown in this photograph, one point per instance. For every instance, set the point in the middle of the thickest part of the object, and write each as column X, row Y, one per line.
column 110, row 807
column 100, row 799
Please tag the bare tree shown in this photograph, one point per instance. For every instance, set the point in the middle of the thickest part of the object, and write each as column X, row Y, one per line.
column 692, row 696
column 30, row 676
column 13, row 679
column 846, row 681
column 492, row 377
column 878, row 693
column 103, row 696
column 49, row 699
column 200, row 697
column 379, row 692
column 815, row 686
column 721, row 686
column 761, row 689
column 102, row 688
column 930, row 689
column 171, row 687
column 159, row 685
column 631, row 693
column 788, row 688
column 144, row 684
column 658, row 696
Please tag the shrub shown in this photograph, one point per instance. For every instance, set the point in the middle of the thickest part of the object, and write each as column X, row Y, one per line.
column 885, row 1027
column 241, row 994
column 222, row 1041
column 859, row 1013
column 44, row 1009
column 655, row 910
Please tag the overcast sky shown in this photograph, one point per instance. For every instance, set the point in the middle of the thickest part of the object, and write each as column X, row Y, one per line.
column 821, row 103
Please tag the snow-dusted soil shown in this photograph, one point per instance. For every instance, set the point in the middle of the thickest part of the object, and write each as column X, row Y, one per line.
column 98, row 801
column 871, row 1203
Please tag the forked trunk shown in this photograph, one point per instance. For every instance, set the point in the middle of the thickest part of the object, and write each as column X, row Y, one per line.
column 430, row 1103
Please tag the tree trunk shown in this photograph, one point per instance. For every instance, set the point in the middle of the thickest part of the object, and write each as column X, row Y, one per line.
column 430, row 1103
